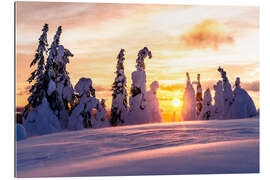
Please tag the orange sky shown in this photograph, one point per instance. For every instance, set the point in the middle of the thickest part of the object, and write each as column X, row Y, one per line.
column 196, row 39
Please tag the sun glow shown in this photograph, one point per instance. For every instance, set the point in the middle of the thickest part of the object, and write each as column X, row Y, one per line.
column 176, row 102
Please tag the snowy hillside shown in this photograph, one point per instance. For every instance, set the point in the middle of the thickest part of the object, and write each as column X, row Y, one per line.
column 194, row 147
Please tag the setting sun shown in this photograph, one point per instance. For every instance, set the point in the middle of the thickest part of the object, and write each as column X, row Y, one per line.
column 176, row 102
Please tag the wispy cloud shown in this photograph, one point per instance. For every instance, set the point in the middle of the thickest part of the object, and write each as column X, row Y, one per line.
column 23, row 91
column 101, row 88
column 207, row 34
column 251, row 86
column 172, row 87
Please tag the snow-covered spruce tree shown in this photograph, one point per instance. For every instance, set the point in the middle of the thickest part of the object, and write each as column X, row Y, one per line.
column 198, row 96
column 207, row 108
column 119, row 106
column 53, row 49
column 189, row 104
column 50, row 74
column 152, row 103
column 243, row 105
column 38, row 117
column 101, row 115
column 62, row 84
column 60, row 90
column 82, row 115
column 227, row 94
column 137, row 112
column 218, row 108
column 37, row 90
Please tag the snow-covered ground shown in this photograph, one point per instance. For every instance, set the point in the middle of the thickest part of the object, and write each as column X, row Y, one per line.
column 194, row 147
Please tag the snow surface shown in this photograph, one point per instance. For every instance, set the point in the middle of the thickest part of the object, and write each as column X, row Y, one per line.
column 192, row 147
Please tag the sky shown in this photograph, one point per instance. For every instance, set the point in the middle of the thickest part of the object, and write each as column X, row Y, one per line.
column 182, row 38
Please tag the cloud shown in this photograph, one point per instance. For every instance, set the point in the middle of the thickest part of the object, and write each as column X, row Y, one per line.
column 248, row 86
column 165, row 98
column 207, row 34
column 251, row 86
column 172, row 87
column 23, row 91
column 101, row 88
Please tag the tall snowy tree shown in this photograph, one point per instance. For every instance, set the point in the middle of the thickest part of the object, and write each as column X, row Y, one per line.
column 243, row 105
column 137, row 113
column 37, row 90
column 207, row 109
column 119, row 106
column 189, row 104
column 198, row 96
column 60, row 90
column 227, row 94
column 152, row 103
column 82, row 115
column 53, row 49
column 38, row 117
column 63, row 87
column 50, row 74
column 218, row 109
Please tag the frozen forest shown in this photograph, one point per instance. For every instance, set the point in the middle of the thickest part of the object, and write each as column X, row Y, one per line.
column 228, row 103
column 54, row 105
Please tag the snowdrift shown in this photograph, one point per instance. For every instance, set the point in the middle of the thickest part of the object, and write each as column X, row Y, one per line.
column 193, row 147
column 20, row 132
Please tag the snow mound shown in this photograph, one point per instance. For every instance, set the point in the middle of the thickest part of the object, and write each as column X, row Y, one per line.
column 243, row 106
column 41, row 120
column 20, row 132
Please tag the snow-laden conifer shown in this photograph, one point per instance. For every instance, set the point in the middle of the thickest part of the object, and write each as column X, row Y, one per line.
column 38, row 117
column 119, row 106
column 53, row 48
column 60, row 90
column 64, row 89
column 101, row 115
column 227, row 94
column 207, row 109
column 189, row 104
column 243, row 105
column 82, row 114
column 152, row 103
column 50, row 74
column 218, row 109
column 198, row 96
column 137, row 112
column 37, row 89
